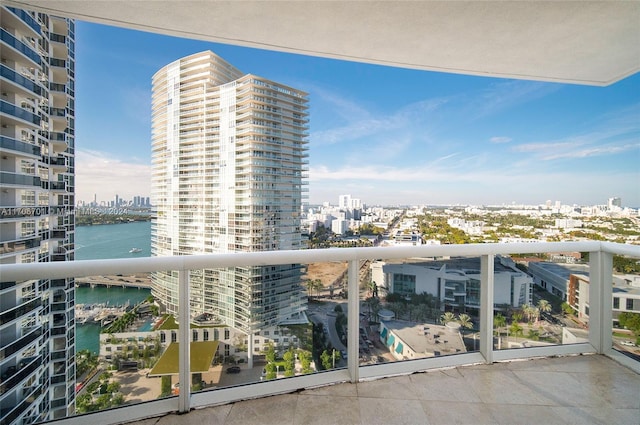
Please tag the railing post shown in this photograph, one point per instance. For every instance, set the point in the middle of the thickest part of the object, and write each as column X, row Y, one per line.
column 184, row 353
column 353, row 320
column 486, row 307
column 600, row 301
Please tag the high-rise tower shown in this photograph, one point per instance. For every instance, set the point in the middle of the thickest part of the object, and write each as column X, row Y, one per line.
column 37, row 340
column 229, row 159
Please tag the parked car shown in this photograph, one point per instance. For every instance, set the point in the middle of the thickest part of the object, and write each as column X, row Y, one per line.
column 233, row 369
column 628, row 343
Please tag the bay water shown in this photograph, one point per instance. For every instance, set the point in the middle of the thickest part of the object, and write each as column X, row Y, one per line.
column 108, row 241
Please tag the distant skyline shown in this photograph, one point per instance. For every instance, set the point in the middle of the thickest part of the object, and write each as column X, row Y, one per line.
column 385, row 135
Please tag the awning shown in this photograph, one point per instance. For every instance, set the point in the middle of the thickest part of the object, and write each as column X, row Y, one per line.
column 391, row 340
column 383, row 335
column 399, row 348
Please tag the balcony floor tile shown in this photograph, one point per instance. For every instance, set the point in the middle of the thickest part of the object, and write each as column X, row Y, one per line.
column 565, row 390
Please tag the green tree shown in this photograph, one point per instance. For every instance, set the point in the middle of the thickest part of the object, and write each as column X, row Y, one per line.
column 630, row 321
column 305, row 361
column 516, row 329
column 566, row 308
column 271, row 371
column 499, row 321
column 326, row 360
column 289, row 363
column 270, row 352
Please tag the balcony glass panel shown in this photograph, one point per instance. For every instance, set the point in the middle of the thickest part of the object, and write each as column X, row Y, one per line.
column 26, row 17
column 18, row 146
column 23, row 114
column 235, row 282
column 419, row 308
column 625, row 290
column 11, row 75
column 531, row 307
column 19, row 46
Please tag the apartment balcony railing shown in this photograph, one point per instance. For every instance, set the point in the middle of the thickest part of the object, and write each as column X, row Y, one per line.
column 599, row 334
column 26, row 18
column 27, row 51
column 18, row 146
column 28, row 84
column 23, row 114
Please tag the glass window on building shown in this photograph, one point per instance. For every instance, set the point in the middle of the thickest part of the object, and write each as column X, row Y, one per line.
column 616, row 303
column 629, row 304
column 404, row 284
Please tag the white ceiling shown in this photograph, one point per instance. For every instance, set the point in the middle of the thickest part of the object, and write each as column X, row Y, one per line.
column 583, row 42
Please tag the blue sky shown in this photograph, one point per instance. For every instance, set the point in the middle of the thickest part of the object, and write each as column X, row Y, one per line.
column 384, row 135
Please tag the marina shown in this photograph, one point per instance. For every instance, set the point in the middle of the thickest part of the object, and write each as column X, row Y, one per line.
column 102, row 314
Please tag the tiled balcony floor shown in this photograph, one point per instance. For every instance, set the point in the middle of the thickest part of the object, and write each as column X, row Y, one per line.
column 588, row 389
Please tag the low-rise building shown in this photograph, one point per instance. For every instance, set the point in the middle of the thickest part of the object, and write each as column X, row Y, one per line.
column 408, row 340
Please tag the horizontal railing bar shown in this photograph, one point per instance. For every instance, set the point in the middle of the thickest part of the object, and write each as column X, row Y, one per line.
column 545, row 351
column 122, row 414
column 56, row 270
column 269, row 388
column 383, row 370
column 620, row 249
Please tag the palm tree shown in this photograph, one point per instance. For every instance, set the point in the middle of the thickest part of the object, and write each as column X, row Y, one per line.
column 516, row 329
column 447, row 317
column 528, row 311
column 465, row 321
column 544, row 306
column 374, row 306
column 517, row 316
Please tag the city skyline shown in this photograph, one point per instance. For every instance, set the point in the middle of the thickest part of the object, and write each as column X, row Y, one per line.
column 394, row 136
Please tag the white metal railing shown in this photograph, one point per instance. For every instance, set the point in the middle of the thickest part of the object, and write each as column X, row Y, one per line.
column 600, row 323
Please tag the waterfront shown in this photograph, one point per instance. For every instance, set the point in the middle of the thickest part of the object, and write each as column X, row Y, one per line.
column 108, row 241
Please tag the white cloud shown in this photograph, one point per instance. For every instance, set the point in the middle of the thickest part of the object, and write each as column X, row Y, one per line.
column 104, row 175
column 500, row 139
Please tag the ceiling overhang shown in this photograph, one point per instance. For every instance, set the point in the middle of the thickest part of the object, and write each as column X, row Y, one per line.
column 581, row 42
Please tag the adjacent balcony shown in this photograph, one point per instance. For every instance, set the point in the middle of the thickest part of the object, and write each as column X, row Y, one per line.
column 16, row 78
column 18, row 179
column 18, row 45
column 20, row 113
column 8, row 143
column 564, row 386
column 26, row 18
column 59, row 141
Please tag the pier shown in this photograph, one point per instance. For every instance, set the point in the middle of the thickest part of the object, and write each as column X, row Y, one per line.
column 139, row 281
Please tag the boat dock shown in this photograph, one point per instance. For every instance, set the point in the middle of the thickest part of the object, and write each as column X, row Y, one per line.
column 140, row 281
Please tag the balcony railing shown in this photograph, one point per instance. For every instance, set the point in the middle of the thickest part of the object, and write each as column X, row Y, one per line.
column 23, row 114
column 599, row 334
column 18, row 146
column 27, row 18
column 11, row 75
column 19, row 46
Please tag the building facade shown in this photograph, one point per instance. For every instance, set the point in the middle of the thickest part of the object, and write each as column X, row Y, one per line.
column 455, row 282
column 229, row 160
column 37, row 330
